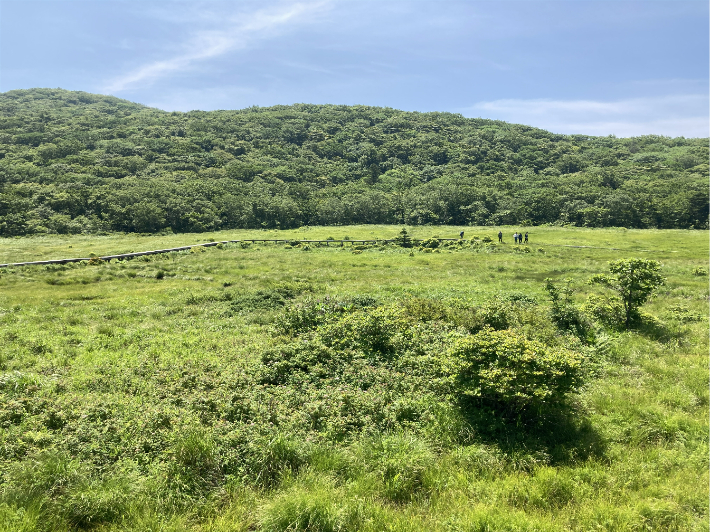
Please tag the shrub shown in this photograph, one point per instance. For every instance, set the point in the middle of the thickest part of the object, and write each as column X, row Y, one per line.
column 506, row 368
column 564, row 314
column 607, row 311
column 281, row 364
column 430, row 243
column 700, row 271
column 496, row 314
column 311, row 313
column 379, row 331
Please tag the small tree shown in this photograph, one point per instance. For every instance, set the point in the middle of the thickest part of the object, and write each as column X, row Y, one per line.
column 564, row 313
column 403, row 239
column 634, row 280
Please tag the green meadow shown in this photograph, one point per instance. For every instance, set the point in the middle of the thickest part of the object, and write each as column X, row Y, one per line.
column 278, row 387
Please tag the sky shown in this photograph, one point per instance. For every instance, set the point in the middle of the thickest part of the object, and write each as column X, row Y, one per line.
column 594, row 67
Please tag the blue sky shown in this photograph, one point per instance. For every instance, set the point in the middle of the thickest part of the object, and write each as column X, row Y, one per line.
column 576, row 66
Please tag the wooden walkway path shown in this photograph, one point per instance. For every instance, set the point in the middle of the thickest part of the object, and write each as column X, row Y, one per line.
column 124, row 256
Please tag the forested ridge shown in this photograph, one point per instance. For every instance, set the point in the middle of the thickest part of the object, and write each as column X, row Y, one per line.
column 74, row 162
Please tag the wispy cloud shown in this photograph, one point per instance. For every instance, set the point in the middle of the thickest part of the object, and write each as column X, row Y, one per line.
column 207, row 44
column 673, row 115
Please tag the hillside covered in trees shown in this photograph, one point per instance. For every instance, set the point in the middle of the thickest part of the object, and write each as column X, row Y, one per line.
column 73, row 162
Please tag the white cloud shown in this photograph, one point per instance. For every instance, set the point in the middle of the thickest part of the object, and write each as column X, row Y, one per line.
column 675, row 115
column 207, row 44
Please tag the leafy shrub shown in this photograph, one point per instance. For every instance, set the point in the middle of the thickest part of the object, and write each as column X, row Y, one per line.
column 520, row 298
column 425, row 309
column 486, row 240
column 700, row 272
column 430, row 243
column 281, row 364
column 379, row 331
column 504, row 367
column 564, row 313
column 496, row 314
column 269, row 299
column 684, row 314
column 312, row 313
column 607, row 311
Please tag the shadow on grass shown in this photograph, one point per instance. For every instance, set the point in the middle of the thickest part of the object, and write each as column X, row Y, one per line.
column 561, row 432
column 658, row 331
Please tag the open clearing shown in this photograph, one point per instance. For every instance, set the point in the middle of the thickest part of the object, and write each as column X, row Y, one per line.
column 254, row 387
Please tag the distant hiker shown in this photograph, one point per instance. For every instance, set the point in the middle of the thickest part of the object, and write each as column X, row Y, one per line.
column 461, row 234
column 500, row 236
column 526, row 237
column 515, row 237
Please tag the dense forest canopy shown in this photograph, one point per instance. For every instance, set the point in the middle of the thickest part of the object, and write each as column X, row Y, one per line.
column 73, row 162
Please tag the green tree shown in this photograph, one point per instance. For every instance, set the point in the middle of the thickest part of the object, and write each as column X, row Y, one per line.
column 403, row 239
column 634, row 280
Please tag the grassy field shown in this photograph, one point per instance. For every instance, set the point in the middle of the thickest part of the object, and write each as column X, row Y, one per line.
column 273, row 387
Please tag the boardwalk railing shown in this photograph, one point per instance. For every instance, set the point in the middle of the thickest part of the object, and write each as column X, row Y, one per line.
column 124, row 256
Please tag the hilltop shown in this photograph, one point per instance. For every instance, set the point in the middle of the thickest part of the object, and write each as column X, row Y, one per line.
column 74, row 162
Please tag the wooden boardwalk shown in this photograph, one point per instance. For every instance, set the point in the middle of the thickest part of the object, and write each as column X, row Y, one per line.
column 128, row 256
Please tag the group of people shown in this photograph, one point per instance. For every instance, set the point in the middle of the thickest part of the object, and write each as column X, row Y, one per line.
column 518, row 237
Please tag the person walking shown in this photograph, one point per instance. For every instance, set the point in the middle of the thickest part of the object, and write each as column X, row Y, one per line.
column 500, row 236
column 461, row 234
column 515, row 237
column 526, row 237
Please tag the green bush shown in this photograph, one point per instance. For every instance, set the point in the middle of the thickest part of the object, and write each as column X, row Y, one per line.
column 565, row 314
column 608, row 311
column 311, row 313
column 430, row 243
column 504, row 367
column 496, row 314
column 379, row 331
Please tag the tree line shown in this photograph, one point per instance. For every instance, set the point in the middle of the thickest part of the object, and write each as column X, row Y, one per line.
column 74, row 162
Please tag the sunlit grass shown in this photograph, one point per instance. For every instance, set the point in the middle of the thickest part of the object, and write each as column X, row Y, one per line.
column 115, row 381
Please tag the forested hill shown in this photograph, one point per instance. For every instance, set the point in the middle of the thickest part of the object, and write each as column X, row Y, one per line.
column 77, row 162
